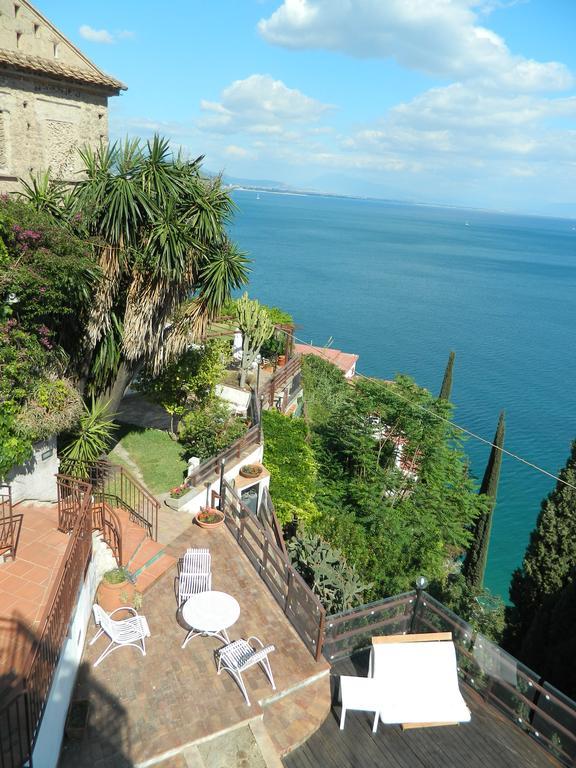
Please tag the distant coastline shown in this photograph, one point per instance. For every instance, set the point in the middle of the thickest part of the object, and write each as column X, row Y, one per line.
column 288, row 191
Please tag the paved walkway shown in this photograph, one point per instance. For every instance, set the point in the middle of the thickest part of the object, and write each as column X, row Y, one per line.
column 145, row 707
column 25, row 583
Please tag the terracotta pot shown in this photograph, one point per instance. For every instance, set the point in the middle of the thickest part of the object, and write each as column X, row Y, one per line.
column 211, row 510
column 281, row 360
column 253, row 474
column 112, row 596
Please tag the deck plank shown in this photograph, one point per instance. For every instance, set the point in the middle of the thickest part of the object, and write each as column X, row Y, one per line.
column 488, row 740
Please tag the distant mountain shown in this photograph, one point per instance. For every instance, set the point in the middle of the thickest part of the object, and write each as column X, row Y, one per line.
column 254, row 183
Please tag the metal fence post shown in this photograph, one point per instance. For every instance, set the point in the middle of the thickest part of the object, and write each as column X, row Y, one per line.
column 222, row 490
column 421, row 584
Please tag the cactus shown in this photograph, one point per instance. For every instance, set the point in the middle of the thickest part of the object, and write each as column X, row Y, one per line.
column 256, row 328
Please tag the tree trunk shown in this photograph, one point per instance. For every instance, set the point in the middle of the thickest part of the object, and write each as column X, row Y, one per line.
column 244, row 362
column 113, row 395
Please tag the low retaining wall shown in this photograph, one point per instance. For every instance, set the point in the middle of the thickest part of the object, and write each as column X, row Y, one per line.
column 35, row 480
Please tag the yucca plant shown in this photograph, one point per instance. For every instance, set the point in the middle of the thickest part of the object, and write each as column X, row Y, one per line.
column 92, row 438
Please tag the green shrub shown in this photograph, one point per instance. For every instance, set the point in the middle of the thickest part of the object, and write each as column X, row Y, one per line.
column 209, row 430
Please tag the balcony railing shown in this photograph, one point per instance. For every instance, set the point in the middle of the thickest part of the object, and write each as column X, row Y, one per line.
column 535, row 706
column 300, row 605
column 10, row 524
column 24, row 697
column 277, row 385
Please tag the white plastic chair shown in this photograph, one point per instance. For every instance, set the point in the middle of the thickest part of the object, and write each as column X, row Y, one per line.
column 240, row 656
column 122, row 632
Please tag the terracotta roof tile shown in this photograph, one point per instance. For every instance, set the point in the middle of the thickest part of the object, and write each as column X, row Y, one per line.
column 343, row 360
column 58, row 69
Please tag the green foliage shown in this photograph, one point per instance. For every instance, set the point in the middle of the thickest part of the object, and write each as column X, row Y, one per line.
column 93, row 436
column 34, row 402
column 207, row 431
column 116, row 576
column 256, row 327
column 293, row 468
column 446, row 388
column 325, row 570
column 54, row 406
column 478, row 606
column 550, row 559
column 392, row 525
column 188, row 382
column 50, row 272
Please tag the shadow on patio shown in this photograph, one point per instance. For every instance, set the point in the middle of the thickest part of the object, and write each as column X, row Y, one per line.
column 173, row 696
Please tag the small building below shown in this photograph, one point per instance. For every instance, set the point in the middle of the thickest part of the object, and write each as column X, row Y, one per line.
column 346, row 361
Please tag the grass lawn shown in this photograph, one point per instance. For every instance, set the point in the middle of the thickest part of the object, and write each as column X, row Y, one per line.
column 156, row 455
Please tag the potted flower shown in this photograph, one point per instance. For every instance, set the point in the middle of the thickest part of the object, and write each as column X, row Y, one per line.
column 251, row 470
column 117, row 589
column 209, row 517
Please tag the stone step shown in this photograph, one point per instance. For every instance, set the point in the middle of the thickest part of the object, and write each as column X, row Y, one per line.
column 133, row 535
column 153, row 572
column 147, row 553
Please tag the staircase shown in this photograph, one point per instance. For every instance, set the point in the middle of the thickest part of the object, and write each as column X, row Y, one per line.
column 144, row 558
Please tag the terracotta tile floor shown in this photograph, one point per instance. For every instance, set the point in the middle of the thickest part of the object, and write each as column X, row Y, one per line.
column 141, row 707
column 25, row 583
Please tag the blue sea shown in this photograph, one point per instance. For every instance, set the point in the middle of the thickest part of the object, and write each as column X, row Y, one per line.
column 402, row 285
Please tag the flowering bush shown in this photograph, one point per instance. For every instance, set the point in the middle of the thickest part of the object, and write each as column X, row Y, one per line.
column 180, row 490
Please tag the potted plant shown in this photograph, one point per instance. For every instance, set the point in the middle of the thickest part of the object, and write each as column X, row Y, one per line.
column 251, row 470
column 117, row 589
column 210, row 517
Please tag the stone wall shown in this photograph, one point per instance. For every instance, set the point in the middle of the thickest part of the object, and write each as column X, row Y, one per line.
column 43, row 122
column 36, row 478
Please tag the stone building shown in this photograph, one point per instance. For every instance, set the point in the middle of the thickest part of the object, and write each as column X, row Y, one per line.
column 53, row 99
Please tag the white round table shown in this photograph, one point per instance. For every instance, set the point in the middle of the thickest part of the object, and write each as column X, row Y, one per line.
column 210, row 613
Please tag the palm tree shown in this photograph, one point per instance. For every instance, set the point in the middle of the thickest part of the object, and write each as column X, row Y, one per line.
column 167, row 263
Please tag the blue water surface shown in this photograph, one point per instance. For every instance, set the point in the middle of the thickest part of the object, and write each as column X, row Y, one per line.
column 402, row 285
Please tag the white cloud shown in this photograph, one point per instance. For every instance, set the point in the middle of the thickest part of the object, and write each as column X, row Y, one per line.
column 260, row 104
column 439, row 37
column 233, row 151
column 103, row 35
column 95, row 35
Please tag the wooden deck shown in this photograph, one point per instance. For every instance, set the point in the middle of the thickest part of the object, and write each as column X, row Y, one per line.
column 489, row 740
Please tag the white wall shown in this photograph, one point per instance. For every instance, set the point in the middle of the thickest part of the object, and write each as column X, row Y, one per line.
column 231, row 473
column 47, row 749
column 36, row 478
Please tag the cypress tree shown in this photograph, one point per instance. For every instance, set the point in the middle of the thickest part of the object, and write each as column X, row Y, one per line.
column 446, row 388
column 550, row 559
column 474, row 565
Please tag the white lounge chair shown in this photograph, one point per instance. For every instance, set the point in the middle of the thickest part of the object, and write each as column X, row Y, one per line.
column 418, row 680
column 122, row 632
column 240, row 656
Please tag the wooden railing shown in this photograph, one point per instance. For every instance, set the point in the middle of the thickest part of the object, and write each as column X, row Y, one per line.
column 10, row 524
column 277, row 384
column 115, row 485
column 535, row 706
column 23, row 701
column 300, row 605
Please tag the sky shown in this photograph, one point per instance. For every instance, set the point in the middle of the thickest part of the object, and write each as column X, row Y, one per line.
column 458, row 102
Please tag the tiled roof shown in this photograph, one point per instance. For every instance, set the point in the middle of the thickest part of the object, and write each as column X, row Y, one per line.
column 343, row 360
column 58, row 69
